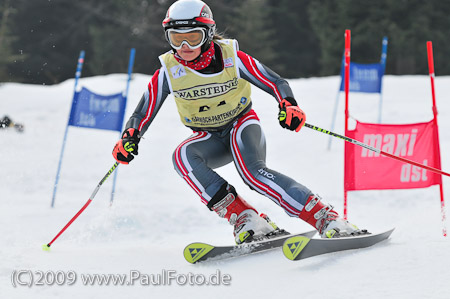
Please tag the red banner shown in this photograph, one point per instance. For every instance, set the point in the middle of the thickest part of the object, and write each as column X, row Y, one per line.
column 368, row 170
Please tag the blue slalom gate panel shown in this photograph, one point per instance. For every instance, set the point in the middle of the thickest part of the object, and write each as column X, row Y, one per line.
column 91, row 110
column 364, row 77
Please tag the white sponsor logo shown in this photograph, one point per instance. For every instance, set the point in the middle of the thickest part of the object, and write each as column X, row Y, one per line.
column 228, row 62
column 178, row 71
column 266, row 174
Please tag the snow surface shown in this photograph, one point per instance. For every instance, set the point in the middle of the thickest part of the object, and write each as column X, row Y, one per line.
column 155, row 214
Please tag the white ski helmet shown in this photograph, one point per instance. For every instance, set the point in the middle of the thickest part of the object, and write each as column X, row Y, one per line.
column 190, row 14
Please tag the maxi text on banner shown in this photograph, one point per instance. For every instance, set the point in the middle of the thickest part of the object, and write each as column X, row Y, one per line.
column 367, row 170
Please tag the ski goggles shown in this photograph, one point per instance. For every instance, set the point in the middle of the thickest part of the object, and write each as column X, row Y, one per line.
column 193, row 38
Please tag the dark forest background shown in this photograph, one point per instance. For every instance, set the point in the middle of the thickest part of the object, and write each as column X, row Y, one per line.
column 40, row 40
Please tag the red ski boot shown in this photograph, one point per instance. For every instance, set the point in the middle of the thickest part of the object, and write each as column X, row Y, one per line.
column 326, row 220
column 248, row 225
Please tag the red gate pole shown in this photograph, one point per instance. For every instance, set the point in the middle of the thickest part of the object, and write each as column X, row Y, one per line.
column 346, row 89
column 436, row 132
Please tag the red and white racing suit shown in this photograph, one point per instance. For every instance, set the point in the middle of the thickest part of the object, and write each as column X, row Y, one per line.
column 240, row 140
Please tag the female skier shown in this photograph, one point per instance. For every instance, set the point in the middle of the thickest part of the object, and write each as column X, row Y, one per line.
column 210, row 78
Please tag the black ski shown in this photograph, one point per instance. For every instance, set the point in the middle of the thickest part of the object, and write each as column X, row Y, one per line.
column 199, row 252
column 301, row 247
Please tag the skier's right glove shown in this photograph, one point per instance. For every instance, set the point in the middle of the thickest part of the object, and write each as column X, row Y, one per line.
column 127, row 147
column 291, row 117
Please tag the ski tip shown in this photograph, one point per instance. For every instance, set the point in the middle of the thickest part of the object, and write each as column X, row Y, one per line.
column 196, row 251
column 390, row 231
column 46, row 247
column 292, row 247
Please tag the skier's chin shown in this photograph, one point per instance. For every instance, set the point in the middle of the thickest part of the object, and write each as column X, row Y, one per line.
column 188, row 54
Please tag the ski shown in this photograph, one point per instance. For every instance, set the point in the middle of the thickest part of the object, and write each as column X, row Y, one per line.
column 199, row 252
column 301, row 247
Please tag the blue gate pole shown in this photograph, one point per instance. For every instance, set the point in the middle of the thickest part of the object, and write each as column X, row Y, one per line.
column 77, row 76
column 130, row 71
column 383, row 63
column 384, row 51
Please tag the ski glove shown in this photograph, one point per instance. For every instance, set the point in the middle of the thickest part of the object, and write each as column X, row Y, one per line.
column 291, row 116
column 127, row 147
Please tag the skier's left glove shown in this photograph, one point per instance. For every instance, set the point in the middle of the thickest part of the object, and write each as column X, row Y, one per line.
column 291, row 116
column 127, row 147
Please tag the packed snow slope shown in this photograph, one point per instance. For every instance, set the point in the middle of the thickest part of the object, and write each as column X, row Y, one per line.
column 155, row 214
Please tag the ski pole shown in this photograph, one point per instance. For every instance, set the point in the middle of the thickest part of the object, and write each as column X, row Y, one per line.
column 356, row 142
column 46, row 247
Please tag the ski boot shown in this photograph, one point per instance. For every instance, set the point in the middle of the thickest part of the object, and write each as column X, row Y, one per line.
column 248, row 225
column 327, row 221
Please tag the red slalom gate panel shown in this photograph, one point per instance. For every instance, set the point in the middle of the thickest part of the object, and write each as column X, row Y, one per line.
column 367, row 170
column 419, row 142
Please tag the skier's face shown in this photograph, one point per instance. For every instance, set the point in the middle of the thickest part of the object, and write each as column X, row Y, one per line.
column 187, row 53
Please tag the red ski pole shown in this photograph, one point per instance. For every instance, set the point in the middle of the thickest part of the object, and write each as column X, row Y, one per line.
column 46, row 247
column 356, row 142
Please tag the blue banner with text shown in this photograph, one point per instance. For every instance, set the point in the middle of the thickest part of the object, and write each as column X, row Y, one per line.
column 364, row 77
column 90, row 110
